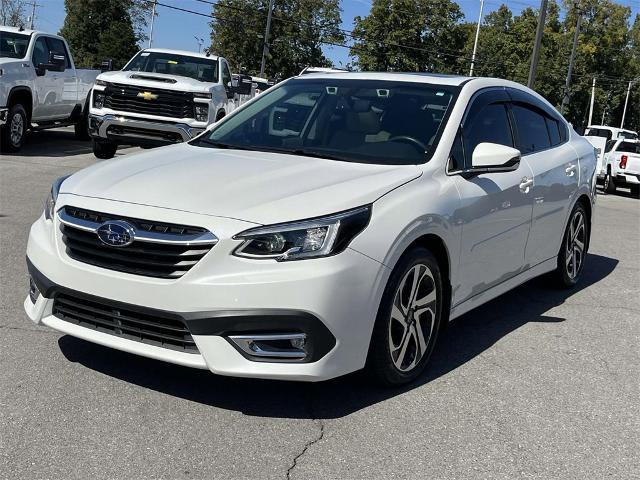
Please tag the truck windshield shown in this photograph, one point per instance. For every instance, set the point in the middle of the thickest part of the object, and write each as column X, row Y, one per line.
column 202, row 69
column 13, row 45
column 365, row 121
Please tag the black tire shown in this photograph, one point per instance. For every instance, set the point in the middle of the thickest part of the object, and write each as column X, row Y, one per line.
column 390, row 335
column 82, row 127
column 635, row 190
column 220, row 115
column 13, row 132
column 104, row 149
column 609, row 183
column 569, row 270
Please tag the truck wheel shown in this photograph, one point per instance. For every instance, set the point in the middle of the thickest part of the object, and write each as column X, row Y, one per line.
column 609, row 183
column 82, row 127
column 15, row 130
column 104, row 149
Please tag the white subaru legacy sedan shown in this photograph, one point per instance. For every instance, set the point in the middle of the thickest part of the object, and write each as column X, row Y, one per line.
column 335, row 222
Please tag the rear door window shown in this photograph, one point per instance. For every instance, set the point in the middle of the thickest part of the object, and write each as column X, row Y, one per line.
column 56, row 45
column 533, row 135
column 554, row 131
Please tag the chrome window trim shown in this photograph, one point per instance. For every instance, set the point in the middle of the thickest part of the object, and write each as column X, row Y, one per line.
column 205, row 238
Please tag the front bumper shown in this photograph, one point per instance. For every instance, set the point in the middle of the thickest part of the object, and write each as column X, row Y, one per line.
column 136, row 131
column 4, row 113
column 335, row 298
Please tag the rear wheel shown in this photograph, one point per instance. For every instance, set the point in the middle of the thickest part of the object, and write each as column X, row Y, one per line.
column 573, row 251
column 14, row 131
column 609, row 183
column 104, row 149
column 408, row 320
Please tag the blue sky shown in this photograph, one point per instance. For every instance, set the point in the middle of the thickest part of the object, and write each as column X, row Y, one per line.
column 174, row 29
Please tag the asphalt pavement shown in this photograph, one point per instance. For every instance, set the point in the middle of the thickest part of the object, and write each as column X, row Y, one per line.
column 538, row 383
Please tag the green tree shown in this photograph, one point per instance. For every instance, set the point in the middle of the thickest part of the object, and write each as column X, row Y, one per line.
column 100, row 29
column 299, row 29
column 409, row 35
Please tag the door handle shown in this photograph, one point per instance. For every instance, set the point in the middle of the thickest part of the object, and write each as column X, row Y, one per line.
column 525, row 184
column 570, row 170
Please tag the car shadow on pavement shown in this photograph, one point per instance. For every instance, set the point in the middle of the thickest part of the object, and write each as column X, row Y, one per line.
column 464, row 339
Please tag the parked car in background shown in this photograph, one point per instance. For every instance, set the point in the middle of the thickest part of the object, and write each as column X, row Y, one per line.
column 335, row 222
column 261, row 84
column 621, row 165
column 161, row 97
column 40, row 87
column 610, row 133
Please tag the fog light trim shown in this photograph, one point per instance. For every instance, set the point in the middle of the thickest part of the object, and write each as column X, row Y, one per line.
column 34, row 293
column 267, row 345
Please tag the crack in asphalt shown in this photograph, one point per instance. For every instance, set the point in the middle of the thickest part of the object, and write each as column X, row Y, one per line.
column 22, row 329
column 306, row 447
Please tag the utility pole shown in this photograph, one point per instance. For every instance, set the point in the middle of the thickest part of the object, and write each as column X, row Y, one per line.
column 535, row 57
column 200, row 43
column 265, row 47
column 593, row 95
column 34, row 5
column 475, row 43
column 572, row 59
column 153, row 18
column 626, row 101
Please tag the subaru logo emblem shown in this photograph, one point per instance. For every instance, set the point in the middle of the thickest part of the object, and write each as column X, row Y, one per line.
column 116, row 233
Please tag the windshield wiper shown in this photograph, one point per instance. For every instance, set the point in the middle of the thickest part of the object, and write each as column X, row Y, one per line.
column 215, row 144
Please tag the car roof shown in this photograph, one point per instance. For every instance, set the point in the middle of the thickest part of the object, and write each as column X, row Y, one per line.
column 25, row 31
column 442, row 79
column 181, row 52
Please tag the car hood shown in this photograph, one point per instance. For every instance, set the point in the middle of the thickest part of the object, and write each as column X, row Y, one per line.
column 257, row 187
column 157, row 80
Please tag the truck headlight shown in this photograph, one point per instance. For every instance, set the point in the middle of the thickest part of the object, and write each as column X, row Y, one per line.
column 314, row 238
column 50, row 202
column 202, row 112
column 98, row 99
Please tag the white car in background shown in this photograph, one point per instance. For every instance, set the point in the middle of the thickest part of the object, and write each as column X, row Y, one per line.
column 621, row 165
column 161, row 97
column 335, row 222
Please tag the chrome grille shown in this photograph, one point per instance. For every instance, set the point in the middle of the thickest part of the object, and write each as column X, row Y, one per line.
column 142, row 325
column 124, row 98
column 160, row 250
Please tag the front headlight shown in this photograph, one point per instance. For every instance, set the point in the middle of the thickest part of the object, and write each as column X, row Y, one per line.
column 98, row 99
column 202, row 112
column 317, row 237
column 50, row 202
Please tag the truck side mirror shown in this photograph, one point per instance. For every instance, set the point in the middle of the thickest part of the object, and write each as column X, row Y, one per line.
column 106, row 65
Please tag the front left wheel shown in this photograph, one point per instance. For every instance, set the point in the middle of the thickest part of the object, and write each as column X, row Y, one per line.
column 408, row 320
column 14, row 131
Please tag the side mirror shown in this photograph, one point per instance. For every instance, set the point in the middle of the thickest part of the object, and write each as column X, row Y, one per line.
column 493, row 157
column 106, row 65
column 57, row 62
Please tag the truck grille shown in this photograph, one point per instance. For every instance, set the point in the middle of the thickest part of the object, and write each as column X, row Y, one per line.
column 141, row 325
column 125, row 98
column 160, row 250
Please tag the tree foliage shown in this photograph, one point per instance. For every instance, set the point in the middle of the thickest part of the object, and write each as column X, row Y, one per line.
column 101, row 29
column 429, row 35
column 408, row 35
column 298, row 31
column 12, row 13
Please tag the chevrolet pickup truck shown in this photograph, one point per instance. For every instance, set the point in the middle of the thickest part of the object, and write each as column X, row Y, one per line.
column 622, row 165
column 162, row 97
column 39, row 86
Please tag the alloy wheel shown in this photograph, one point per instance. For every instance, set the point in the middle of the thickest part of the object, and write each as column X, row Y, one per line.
column 413, row 317
column 17, row 129
column 575, row 245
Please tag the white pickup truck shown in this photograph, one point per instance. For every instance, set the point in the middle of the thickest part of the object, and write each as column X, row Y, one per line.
column 39, row 86
column 621, row 165
column 161, row 97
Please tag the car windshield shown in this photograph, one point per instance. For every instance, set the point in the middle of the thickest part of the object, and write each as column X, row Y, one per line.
column 13, row 45
column 202, row 69
column 629, row 147
column 365, row 121
column 628, row 135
